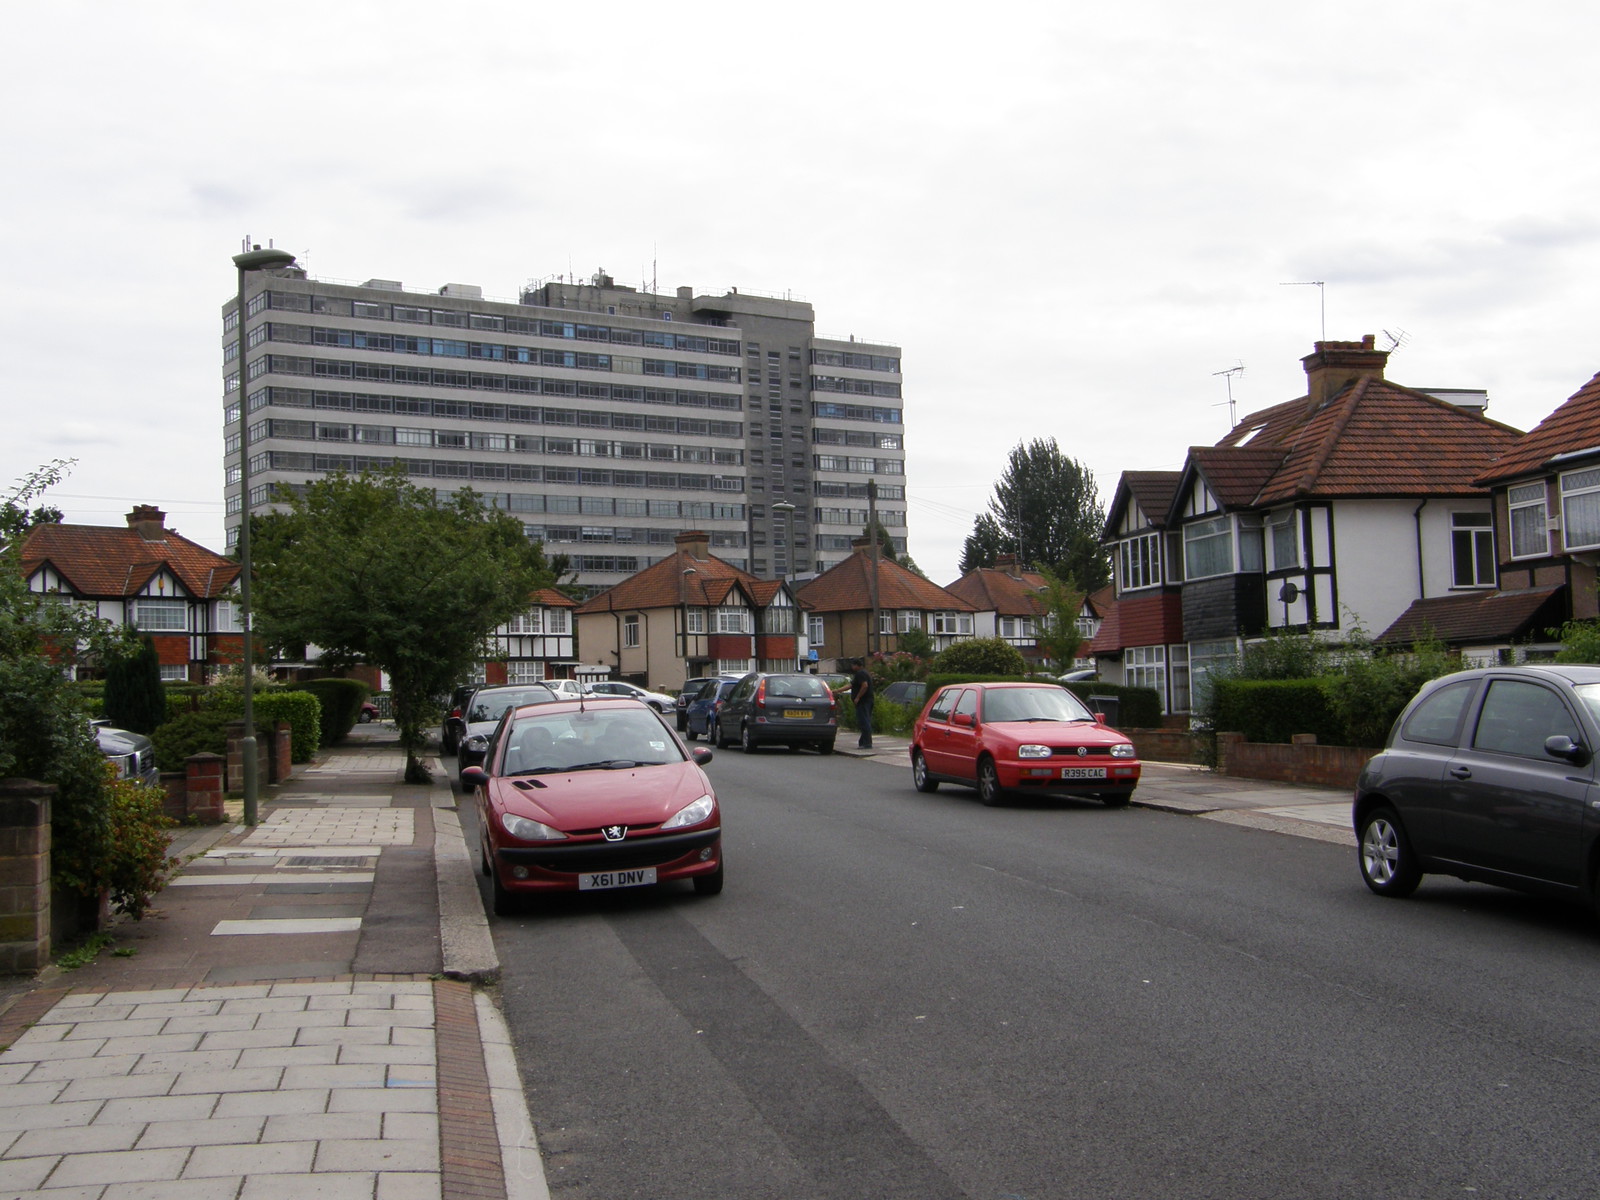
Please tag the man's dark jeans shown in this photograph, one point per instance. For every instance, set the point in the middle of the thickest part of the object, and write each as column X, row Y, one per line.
column 864, row 723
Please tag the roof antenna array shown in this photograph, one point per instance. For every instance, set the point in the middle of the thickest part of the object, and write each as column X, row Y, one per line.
column 1397, row 338
column 1233, row 406
column 1322, row 293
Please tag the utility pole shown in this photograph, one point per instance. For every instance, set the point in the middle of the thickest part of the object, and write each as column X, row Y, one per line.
column 874, row 638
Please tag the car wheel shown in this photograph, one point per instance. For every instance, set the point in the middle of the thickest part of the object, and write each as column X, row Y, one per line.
column 364, row 717
column 683, row 723
column 919, row 774
column 1116, row 799
column 714, row 736
column 989, row 790
column 746, row 742
column 1388, row 864
column 825, row 747
column 709, row 885
column 447, row 744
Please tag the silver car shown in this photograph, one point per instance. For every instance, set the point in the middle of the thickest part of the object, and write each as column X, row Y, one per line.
column 133, row 753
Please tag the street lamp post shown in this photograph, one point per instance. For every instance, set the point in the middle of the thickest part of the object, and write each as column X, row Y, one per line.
column 254, row 259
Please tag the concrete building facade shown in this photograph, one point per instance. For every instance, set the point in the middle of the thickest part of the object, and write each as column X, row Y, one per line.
column 606, row 418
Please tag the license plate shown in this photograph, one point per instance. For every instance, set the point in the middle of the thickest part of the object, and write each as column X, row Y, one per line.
column 797, row 714
column 1083, row 772
column 592, row 881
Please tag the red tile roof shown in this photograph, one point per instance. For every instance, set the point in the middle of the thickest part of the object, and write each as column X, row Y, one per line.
column 1151, row 490
column 106, row 562
column 680, row 578
column 1011, row 594
column 1573, row 426
column 846, row 587
column 553, row 598
column 1152, row 620
column 1478, row 617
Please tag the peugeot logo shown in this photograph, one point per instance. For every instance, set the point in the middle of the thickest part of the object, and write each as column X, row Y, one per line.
column 1082, row 750
column 614, row 833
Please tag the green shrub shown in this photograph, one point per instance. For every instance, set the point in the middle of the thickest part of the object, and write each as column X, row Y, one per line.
column 137, row 865
column 204, row 731
column 981, row 656
column 1274, row 710
column 1137, row 707
column 341, row 701
column 134, row 698
column 303, row 712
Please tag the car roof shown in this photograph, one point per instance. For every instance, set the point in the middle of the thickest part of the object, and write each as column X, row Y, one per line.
column 1572, row 672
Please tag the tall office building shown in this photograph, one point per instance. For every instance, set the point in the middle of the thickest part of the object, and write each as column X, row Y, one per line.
column 607, row 419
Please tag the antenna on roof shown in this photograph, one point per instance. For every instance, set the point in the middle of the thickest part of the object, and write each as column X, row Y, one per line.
column 1397, row 338
column 1322, row 293
column 1228, row 376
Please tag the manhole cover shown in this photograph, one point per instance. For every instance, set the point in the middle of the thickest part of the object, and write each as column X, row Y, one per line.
column 320, row 860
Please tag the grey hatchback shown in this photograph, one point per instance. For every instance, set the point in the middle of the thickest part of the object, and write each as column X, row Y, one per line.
column 791, row 710
column 1489, row 775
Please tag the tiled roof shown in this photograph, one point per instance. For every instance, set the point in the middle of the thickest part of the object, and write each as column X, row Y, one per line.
column 680, row 578
column 1573, row 426
column 1151, row 490
column 1151, row 620
column 1100, row 602
column 553, row 599
column 990, row 589
column 104, row 561
column 1235, row 476
column 846, row 587
column 1478, row 617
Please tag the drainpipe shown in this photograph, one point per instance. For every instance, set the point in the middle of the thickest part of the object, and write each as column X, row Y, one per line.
column 1422, row 586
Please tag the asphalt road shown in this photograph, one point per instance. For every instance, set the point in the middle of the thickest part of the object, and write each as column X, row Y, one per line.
column 901, row 995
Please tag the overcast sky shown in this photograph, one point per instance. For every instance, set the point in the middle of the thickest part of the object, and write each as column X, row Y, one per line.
column 1070, row 216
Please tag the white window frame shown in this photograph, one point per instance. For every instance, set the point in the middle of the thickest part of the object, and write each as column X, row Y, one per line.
column 174, row 673
column 153, row 605
column 556, row 621
column 1243, row 534
column 526, row 622
column 630, row 631
column 525, row 670
column 731, row 619
column 1530, row 537
column 1146, row 666
column 952, row 623
column 814, row 630
column 733, row 666
column 1139, row 562
column 694, row 620
column 1285, row 525
column 1472, row 535
column 907, row 619
column 1580, row 488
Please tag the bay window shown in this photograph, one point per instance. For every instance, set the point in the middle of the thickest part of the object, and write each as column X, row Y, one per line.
column 1580, row 509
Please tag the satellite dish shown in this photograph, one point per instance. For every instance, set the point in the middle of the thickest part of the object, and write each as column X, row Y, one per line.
column 1289, row 592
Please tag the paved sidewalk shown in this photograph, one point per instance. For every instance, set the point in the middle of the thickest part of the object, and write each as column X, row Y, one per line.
column 295, row 1019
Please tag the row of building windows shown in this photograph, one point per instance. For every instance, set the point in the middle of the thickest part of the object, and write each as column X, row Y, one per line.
column 859, row 466
column 827, row 409
column 621, row 535
column 511, row 414
column 860, row 362
column 508, row 443
column 455, row 318
column 858, row 437
column 293, row 460
column 857, row 516
column 855, row 387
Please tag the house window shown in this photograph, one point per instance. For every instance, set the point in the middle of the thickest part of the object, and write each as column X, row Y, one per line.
column 909, row 618
column 557, row 622
column 733, row 666
column 1530, row 533
column 227, row 617
column 731, row 620
column 695, row 621
column 160, row 616
column 814, row 630
column 886, row 620
column 1178, row 672
column 524, row 670
column 527, row 622
column 1140, row 560
column 952, row 623
column 174, row 673
column 1283, row 535
column 1206, row 658
column 1471, row 550
column 1580, row 509
column 630, row 631
column 1208, row 546
column 780, row 619
column 1146, row 666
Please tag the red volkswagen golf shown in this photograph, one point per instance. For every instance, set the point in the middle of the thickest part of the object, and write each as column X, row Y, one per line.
column 1021, row 737
column 591, row 795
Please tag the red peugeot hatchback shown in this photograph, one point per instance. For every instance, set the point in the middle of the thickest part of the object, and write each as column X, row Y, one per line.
column 593, row 795
column 1022, row 737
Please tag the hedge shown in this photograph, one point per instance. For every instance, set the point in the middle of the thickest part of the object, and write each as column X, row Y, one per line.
column 300, row 709
column 1274, row 710
column 341, row 701
column 1137, row 707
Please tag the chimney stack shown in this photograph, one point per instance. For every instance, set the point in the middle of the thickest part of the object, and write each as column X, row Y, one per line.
column 149, row 522
column 695, row 542
column 1334, row 366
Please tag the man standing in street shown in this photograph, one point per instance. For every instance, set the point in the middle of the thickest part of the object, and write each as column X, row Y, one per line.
column 861, row 695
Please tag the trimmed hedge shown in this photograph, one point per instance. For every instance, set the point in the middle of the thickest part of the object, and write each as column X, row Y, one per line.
column 1138, row 707
column 302, row 710
column 341, row 701
column 1274, row 710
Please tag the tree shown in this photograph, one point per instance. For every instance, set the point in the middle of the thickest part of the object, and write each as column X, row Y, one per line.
column 134, row 696
column 1058, row 635
column 1045, row 508
column 374, row 569
column 15, row 516
column 980, row 656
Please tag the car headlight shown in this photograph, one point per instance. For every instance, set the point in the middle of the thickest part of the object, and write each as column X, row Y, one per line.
column 691, row 814
column 1124, row 750
column 525, row 830
column 1033, row 751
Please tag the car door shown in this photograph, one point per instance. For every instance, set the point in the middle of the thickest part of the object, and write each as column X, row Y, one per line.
column 962, row 739
column 1508, row 805
column 935, row 737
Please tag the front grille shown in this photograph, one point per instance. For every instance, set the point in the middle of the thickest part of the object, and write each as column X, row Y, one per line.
column 611, row 856
column 1095, row 754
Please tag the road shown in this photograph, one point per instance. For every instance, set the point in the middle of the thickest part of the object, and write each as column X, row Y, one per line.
column 902, row 995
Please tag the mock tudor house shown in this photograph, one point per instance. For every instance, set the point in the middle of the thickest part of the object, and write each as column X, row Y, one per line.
column 1010, row 603
column 839, row 605
column 1546, row 533
column 691, row 614
column 1328, row 514
column 146, row 576
column 538, row 643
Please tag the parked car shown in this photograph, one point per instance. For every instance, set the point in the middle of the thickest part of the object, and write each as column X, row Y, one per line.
column 483, row 713
column 659, row 701
column 133, row 754
column 1022, row 737
column 700, row 718
column 686, row 694
column 369, row 712
column 910, row 692
column 578, row 797
column 779, row 709
column 1081, row 675
column 1488, row 775
column 569, row 689
column 453, row 728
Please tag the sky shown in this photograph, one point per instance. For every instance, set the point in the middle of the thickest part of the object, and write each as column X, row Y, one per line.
column 1074, row 219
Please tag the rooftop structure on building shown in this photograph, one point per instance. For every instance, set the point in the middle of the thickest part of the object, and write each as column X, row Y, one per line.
column 606, row 418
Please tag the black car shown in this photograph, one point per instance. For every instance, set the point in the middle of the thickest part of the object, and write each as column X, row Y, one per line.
column 453, row 728
column 483, row 713
column 1488, row 775
column 913, row 693
column 779, row 709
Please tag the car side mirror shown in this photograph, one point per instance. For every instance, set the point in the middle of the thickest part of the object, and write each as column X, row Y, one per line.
column 475, row 777
column 1099, row 718
column 1561, row 746
column 961, row 719
column 701, row 755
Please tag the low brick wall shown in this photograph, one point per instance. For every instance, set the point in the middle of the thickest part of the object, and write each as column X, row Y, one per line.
column 24, row 875
column 1167, row 745
column 195, row 794
column 1303, row 761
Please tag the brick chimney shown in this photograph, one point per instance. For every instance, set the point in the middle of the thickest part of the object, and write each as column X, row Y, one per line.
column 695, row 542
column 1006, row 563
column 149, row 522
column 1334, row 366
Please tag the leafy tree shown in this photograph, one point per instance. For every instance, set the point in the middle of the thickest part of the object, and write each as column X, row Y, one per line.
column 1580, row 642
column 980, row 656
column 371, row 568
column 1045, row 508
column 135, row 698
column 15, row 516
column 1058, row 635
column 916, row 641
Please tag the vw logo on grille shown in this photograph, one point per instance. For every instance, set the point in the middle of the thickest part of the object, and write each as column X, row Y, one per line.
column 1082, row 750
column 614, row 833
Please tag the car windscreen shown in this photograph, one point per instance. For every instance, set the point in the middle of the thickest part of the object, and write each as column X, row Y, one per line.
column 491, row 706
column 797, row 687
column 1033, row 704
column 1589, row 693
column 596, row 738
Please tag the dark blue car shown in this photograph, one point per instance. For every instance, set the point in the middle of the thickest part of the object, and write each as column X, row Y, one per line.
column 701, row 715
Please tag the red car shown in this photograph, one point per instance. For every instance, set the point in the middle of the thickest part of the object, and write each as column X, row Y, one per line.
column 579, row 795
column 1022, row 737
